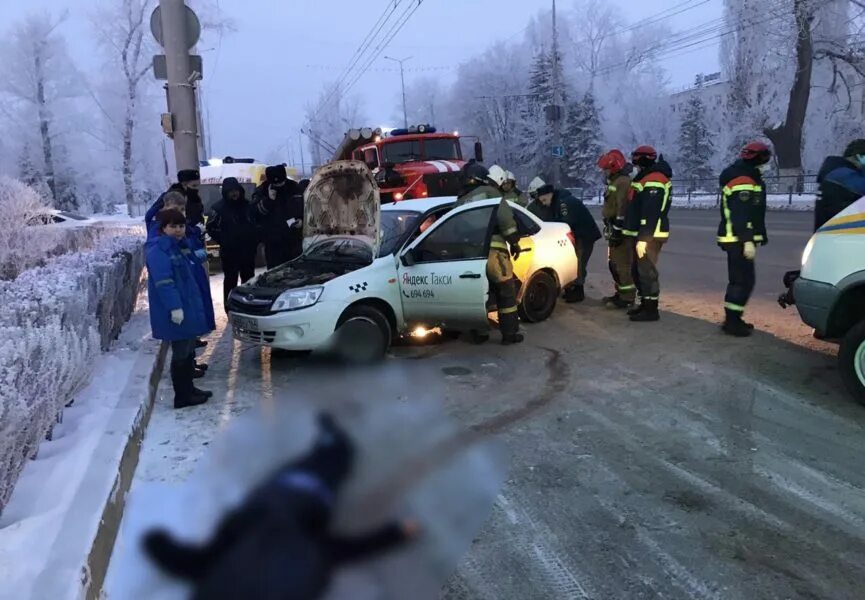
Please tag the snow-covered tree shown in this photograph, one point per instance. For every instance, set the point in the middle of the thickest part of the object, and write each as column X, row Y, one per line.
column 582, row 138
column 536, row 137
column 122, row 27
column 38, row 77
column 695, row 142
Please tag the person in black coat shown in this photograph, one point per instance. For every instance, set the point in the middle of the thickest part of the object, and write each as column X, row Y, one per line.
column 560, row 205
column 279, row 210
column 231, row 224
column 842, row 182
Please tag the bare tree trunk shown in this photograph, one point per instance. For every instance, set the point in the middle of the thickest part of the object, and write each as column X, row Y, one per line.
column 787, row 137
column 44, row 125
column 128, row 131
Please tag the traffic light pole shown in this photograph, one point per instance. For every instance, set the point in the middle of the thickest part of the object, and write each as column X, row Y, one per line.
column 557, row 101
column 180, row 86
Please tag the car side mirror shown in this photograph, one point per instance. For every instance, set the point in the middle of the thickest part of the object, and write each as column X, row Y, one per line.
column 408, row 258
column 479, row 152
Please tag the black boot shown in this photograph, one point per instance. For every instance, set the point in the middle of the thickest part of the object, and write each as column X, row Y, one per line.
column 735, row 326
column 200, row 344
column 198, row 372
column 637, row 308
column 202, row 366
column 509, row 324
column 575, row 293
column 181, row 379
column 609, row 299
column 618, row 303
column 648, row 312
column 195, row 391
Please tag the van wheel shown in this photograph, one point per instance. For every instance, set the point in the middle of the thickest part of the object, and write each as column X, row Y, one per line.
column 851, row 360
column 539, row 301
column 363, row 335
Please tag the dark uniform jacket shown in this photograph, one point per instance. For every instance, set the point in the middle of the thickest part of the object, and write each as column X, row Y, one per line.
column 743, row 205
column 566, row 208
column 647, row 213
column 273, row 215
column 842, row 182
column 231, row 223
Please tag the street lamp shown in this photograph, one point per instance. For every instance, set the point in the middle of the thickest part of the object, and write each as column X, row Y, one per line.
column 402, row 78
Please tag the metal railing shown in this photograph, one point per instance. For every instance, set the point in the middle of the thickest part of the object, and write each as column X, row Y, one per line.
column 704, row 191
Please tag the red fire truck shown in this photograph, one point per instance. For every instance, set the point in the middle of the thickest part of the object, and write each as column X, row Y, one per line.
column 417, row 162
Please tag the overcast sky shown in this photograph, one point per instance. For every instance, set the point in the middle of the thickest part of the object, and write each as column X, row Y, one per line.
column 259, row 78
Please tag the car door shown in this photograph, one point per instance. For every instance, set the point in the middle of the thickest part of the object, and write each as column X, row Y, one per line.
column 442, row 274
column 524, row 265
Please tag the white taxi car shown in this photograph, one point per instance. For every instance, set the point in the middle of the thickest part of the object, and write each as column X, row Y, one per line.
column 412, row 264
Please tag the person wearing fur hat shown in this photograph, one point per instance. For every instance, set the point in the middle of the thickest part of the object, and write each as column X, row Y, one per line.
column 280, row 213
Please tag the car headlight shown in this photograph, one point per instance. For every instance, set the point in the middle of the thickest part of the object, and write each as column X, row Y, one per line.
column 300, row 298
column 806, row 254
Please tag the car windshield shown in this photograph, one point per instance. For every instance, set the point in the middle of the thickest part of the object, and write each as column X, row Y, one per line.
column 441, row 149
column 395, row 226
column 401, row 152
column 340, row 250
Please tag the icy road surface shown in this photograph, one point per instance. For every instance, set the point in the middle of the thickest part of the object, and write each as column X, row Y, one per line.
column 645, row 461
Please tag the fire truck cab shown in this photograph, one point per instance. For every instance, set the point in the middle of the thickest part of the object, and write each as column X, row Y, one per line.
column 417, row 162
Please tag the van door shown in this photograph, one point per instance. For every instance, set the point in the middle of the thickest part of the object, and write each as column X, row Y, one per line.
column 444, row 280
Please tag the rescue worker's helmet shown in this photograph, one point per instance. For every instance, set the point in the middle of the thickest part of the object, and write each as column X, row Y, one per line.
column 474, row 173
column 498, row 175
column 644, row 156
column 612, row 162
column 536, row 184
column 509, row 176
column 757, row 153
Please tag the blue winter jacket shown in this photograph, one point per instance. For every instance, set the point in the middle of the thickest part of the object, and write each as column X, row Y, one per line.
column 194, row 243
column 172, row 284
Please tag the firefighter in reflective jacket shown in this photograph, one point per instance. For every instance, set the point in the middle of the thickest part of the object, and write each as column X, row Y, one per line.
column 477, row 185
column 620, row 255
column 647, row 221
column 742, row 228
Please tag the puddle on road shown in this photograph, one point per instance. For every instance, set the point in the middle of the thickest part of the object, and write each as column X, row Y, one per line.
column 456, row 371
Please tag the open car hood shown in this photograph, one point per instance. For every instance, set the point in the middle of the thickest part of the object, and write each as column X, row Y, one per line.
column 342, row 200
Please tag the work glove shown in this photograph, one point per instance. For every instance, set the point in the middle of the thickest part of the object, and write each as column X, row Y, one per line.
column 515, row 251
column 642, row 248
column 177, row 316
column 750, row 250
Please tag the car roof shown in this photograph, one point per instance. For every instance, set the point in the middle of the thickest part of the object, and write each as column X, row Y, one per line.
column 420, row 205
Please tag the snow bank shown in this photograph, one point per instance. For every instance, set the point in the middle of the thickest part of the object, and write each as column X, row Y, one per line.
column 54, row 320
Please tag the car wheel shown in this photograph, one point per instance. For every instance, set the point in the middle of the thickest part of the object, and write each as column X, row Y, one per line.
column 363, row 335
column 539, row 301
column 851, row 359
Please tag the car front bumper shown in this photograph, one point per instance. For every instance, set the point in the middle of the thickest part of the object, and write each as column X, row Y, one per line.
column 308, row 328
column 814, row 301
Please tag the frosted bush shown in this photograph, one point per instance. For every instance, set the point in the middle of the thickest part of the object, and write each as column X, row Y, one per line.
column 54, row 320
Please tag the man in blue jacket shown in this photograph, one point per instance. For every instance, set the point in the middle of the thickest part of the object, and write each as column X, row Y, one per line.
column 842, row 182
column 176, row 201
column 177, row 312
column 559, row 205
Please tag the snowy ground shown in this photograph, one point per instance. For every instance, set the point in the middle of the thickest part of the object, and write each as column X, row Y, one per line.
column 48, row 527
column 645, row 461
column 198, row 461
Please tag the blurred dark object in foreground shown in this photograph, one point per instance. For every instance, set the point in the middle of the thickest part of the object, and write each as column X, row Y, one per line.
column 278, row 544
